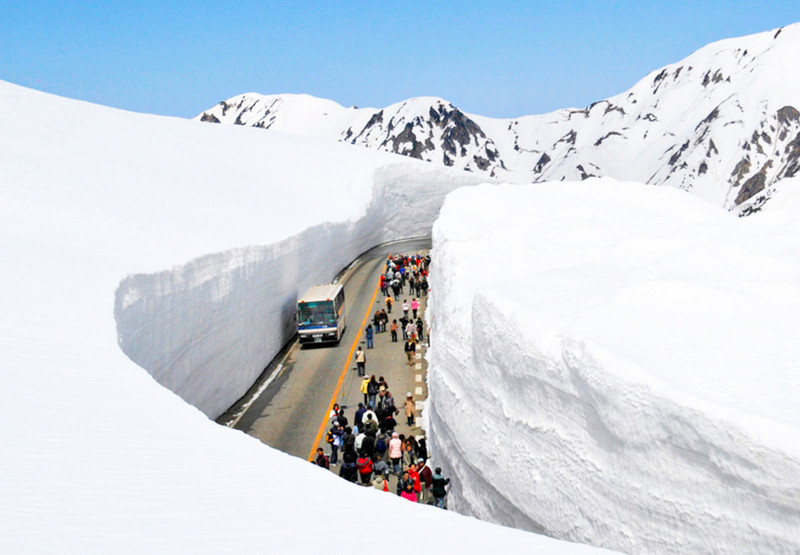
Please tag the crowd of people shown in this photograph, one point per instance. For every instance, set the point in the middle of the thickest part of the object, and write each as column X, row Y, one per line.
column 369, row 450
column 372, row 451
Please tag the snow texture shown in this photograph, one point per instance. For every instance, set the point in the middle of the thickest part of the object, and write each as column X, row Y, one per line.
column 184, row 226
column 724, row 123
column 616, row 364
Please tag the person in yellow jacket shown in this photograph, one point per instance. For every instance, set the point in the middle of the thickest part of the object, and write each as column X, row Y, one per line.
column 365, row 388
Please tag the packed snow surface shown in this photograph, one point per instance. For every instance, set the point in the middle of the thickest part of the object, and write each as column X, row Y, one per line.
column 179, row 245
column 617, row 364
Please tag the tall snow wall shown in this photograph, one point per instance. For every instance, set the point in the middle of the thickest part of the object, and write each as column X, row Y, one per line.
column 207, row 329
column 615, row 365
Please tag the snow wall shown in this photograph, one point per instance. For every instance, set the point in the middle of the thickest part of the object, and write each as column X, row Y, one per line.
column 99, row 458
column 207, row 329
column 616, row 365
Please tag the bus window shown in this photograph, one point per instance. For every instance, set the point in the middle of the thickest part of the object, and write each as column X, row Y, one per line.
column 316, row 313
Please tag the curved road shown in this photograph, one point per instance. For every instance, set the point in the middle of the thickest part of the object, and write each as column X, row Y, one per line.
column 287, row 413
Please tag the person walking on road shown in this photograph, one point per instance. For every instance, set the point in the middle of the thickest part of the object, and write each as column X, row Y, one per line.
column 411, row 330
column 369, row 333
column 372, row 391
column 410, row 407
column 334, row 413
column 409, row 456
column 389, row 302
column 438, row 490
column 426, row 477
column 411, row 350
column 414, row 307
column 364, row 464
column 359, row 414
column 395, row 453
column 414, row 475
column 406, row 306
column 337, row 432
column 365, row 389
column 394, row 331
column 361, row 362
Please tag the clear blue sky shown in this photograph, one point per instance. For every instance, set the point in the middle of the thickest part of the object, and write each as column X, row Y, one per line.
column 501, row 59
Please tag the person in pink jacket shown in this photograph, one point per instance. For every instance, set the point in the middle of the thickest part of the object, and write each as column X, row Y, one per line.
column 409, row 493
column 395, row 453
column 414, row 307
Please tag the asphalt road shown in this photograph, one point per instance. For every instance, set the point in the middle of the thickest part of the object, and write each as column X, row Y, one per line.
column 288, row 412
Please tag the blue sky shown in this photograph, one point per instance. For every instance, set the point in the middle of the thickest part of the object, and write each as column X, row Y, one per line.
column 501, row 59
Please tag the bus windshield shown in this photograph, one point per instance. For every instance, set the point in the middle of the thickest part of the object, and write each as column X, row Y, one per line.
column 318, row 313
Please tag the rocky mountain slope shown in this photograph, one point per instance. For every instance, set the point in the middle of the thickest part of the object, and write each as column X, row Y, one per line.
column 723, row 123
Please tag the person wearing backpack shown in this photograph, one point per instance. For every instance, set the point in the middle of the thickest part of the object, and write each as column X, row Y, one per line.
column 364, row 464
column 381, row 446
column 371, row 424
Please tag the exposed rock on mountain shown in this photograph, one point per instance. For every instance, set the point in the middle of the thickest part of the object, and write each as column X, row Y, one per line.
column 722, row 123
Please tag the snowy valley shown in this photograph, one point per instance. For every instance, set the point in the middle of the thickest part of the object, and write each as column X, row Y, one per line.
column 612, row 363
column 166, row 217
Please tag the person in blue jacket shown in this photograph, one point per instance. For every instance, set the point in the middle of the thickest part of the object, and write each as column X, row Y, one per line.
column 369, row 333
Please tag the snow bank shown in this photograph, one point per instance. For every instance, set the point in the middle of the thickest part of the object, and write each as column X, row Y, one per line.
column 616, row 364
column 278, row 212
column 182, row 224
column 206, row 329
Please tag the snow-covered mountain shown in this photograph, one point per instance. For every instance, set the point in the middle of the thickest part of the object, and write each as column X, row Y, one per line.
column 724, row 123
column 427, row 128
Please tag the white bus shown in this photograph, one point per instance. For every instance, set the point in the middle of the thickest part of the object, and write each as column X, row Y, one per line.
column 321, row 314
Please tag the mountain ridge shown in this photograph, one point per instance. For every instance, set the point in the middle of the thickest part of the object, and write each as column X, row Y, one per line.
column 722, row 123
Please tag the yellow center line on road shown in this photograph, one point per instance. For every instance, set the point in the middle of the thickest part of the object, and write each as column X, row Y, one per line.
column 324, row 424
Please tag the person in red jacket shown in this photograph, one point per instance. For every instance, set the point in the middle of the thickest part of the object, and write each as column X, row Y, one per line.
column 414, row 475
column 364, row 464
